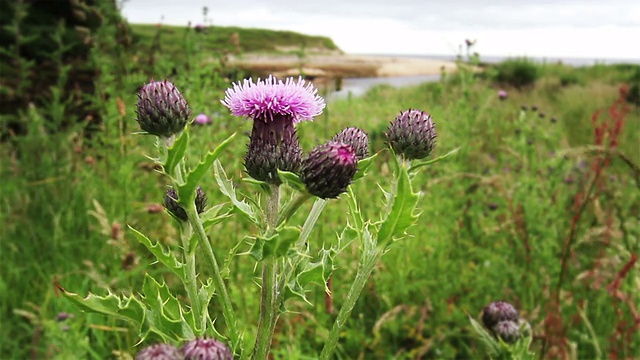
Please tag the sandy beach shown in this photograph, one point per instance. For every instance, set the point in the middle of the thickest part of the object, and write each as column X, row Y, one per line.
column 341, row 65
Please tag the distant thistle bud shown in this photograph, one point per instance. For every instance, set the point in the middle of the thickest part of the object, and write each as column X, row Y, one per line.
column 206, row 349
column 355, row 138
column 159, row 352
column 172, row 205
column 412, row 134
column 273, row 146
column 508, row 331
column 162, row 110
column 329, row 169
column 498, row 311
column 502, row 94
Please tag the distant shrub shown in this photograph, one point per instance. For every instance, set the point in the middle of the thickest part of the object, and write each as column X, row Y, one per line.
column 633, row 96
column 570, row 78
column 517, row 72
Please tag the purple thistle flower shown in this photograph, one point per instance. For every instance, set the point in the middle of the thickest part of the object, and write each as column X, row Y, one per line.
column 502, row 94
column 172, row 205
column 498, row 311
column 356, row 138
column 202, row 119
column 206, row 349
column 329, row 169
column 265, row 99
column 159, row 352
column 412, row 134
column 508, row 331
column 161, row 109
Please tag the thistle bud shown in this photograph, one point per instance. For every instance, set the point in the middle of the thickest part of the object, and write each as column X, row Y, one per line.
column 355, row 138
column 162, row 110
column 159, row 352
column 412, row 134
column 329, row 169
column 498, row 311
column 508, row 331
column 172, row 205
column 273, row 146
column 206, row 349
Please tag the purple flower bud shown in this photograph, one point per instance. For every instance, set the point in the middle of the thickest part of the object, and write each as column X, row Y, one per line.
column 502, row 94
column 202, row 119
column 508, row 331
column 172, row 205
column 355, row 138
column 63, row 316
column 412, row 134
column 534, row 107
column 162, row 110
column 498, row 311
column 273, row 146
column 523, row 107
column 329, row 169
column 541, row 115
column 206, row 349
column 553, row 120
column 159, row 352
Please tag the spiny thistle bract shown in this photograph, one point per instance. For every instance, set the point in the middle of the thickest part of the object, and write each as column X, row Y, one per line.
column 161, row 109
column 329, row 169
column 206, row 349
column 508, row 331
column 171, row 203
column 356, row 138
column 273, row 146
column 412, row 134
column 159, row 352
column 274, row 106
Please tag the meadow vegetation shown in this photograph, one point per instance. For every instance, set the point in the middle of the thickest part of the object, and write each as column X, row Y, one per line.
column 540, row 207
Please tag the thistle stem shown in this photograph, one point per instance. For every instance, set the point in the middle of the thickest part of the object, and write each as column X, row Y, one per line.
column 366, row 266
column 269, row 291
column 191, row 282
column 216, row 276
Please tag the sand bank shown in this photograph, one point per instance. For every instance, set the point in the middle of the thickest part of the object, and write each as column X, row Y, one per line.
column 341, row 65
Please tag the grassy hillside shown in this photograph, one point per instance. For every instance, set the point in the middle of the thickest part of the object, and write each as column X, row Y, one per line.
column 220, row 39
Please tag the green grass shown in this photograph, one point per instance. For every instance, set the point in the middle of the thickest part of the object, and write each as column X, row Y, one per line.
column 493, row 224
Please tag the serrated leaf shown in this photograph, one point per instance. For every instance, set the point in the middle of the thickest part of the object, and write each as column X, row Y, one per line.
column 401, row 216
column 292, row 180
column 176, row 153
column 165, row 315
column 227, row 188
column 284, row 239
column 166, row 258
column 257, row 249
column 124, row 308
column 187, row 191
column 316, row 272
column 363, row 166
column 490, row 344
column 417, row 165
column 211, row 217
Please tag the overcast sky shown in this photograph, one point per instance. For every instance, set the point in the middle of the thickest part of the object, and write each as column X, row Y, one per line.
column 597, row 29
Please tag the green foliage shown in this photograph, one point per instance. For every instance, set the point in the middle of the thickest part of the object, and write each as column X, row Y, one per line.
column 518, row 73
column 492, row 222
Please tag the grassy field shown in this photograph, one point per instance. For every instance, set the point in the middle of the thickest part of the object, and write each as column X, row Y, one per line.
column 537, row 208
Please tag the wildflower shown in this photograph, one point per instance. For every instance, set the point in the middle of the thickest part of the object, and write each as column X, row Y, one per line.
column 159, row 352
column 206, row 349
column 412, row 134
column 63, row 316
column 498, row 311
column 356, row 138
column 502, row 94
column 202, row 119
column 154, row 208
column 275, row 107
column 172, row 205
column 508, row 331
column 553, row 120
column 329, row 169
column 162, row 110
column 534, row 107
column 541, row 115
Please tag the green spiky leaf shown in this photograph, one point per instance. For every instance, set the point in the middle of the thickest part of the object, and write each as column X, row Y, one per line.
column 402, row 214
column 176, row 153
column 364, row 165
column 292, row 180
column 226, row 187
column 417, row 165
column 187, row 191
column 165, row 258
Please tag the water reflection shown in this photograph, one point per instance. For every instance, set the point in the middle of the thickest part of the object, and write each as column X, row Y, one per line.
column 360, row 86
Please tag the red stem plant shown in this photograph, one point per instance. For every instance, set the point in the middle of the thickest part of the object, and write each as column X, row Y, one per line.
column 606, row 133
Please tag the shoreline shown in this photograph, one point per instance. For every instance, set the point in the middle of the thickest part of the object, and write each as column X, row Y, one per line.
column 340, row 65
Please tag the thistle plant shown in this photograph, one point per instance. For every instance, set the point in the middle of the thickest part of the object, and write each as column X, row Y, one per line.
column 289, row 259
column 503, row 333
